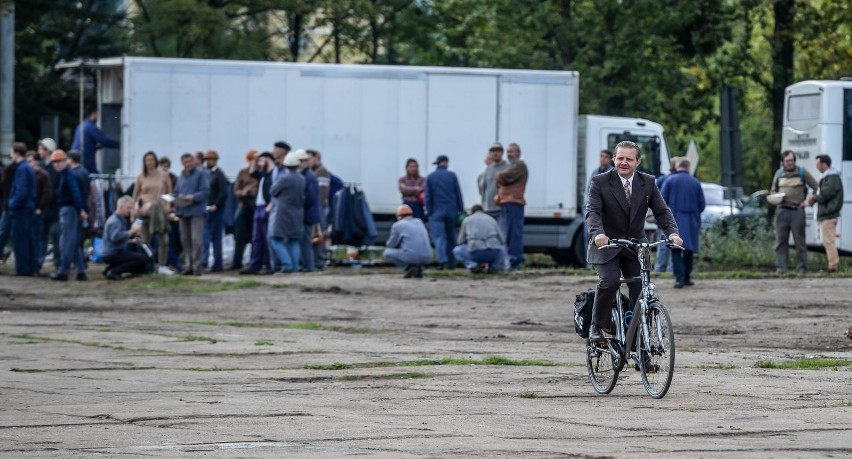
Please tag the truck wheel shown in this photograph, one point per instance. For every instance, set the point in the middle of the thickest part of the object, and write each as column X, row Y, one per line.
column 573, row 256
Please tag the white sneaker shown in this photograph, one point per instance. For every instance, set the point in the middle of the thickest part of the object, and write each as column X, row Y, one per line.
column 164, row 270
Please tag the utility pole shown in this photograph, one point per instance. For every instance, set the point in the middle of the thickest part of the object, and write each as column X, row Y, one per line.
column 7, row 76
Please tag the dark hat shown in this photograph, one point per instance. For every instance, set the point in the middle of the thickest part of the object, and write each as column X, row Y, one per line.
column 283, row 145
column 266, row 154
column 441, row 159
column 75, row 155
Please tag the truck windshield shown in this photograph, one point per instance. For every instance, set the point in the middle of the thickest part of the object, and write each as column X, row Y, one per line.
column 650, row 146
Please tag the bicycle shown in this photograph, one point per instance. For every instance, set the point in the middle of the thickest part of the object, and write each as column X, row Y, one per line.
column 653, row 351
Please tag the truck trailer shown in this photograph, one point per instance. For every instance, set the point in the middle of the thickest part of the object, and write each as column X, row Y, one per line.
column 367, row 120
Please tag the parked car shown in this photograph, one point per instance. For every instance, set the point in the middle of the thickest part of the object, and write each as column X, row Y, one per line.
column 716, row 206
column 753, row 212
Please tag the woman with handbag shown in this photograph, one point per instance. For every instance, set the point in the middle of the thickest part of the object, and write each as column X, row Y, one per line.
column 149, row 206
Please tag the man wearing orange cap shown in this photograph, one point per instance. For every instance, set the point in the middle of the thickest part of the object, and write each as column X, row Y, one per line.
column 69, row 199
column 245, row 190
column 214, row 225
column 408, row 245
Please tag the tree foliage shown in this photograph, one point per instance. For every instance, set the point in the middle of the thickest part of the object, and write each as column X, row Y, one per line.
column 662, row 60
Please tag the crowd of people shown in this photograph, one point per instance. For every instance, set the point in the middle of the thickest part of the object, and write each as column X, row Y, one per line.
column 282, row 204
column 490, row 236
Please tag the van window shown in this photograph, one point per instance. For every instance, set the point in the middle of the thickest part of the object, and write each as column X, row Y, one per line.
column 650, row 146
column 804, row 107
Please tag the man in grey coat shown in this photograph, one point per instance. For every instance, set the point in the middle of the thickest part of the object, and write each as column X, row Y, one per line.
column 118, row 235
column 482, row 245
column 287, row 227
column 408, row 245
column 191, row 192
column 618, row 202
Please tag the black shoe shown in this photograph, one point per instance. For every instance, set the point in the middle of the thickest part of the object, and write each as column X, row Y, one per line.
column 688, row 283
column 410, row 271
column 418, row 273
column 595, row 333
column 59, row 277
column 480, row 268
column 215, row 270
column 678, row 285
column 82, row 277
column 264, row 272
column 187, row 272
column 112, row 276
column 248, row 271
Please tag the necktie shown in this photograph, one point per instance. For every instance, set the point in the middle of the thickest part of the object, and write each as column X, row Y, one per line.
column 627, row 192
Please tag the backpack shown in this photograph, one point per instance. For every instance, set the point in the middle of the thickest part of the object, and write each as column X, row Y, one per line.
column 583, row 310
column 801, row 177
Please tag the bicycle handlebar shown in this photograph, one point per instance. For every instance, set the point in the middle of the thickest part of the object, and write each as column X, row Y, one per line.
column 626, row 243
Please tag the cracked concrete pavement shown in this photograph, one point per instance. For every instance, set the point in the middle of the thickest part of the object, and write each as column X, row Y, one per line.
column 144, row 368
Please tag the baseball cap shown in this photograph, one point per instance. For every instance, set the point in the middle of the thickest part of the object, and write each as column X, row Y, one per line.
column 58, row 155
column 301, row 155
column 291, row 160
column 496, row 146
column 441, row 158
column 48, row 143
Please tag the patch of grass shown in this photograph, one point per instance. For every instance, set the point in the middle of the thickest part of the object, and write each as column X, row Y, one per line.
column 43, row 339
column 804, row 364
column 292, row 325
column 407, row 375
column 717, row 367
column 263, row 342
column 528, row 394
column 186, row 284
column 490, row 360
column 199, row 338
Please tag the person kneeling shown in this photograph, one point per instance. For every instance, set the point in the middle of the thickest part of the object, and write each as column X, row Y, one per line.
column 481, row 244
column 408, row 246
column 122, row 251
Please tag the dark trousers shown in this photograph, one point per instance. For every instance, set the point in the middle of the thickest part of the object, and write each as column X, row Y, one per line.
column 214, row 229
column 306, row 250
column 23, row 241
column 175, row 247
column 259, row 247
column 682, row 261
column 243, row 222
column 512, row 223
column 790, row 220
column 38, row 232
column 609, row 274
column 415, row 207
column 127, row 261
column 442, row 225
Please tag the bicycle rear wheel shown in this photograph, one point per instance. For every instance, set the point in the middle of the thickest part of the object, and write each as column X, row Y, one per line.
column 657, row 357
column 603, row 365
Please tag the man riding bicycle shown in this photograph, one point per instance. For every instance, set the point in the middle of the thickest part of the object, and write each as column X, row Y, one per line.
column 617, row 204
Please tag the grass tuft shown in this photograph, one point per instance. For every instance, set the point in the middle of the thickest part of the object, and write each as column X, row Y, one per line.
column 199, row 338
column 528, row 394
column 490, row 360
column 804, row 364
column 186, row 284
column 263, row 342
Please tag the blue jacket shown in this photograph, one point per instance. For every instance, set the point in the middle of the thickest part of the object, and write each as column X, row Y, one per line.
column 92, row 136
column 197, row 184
column 84, row 183
column 116, row 235
column 312, row 203
column 23, row 192
column 683, row 193
column 67, row 191
column 443, row 194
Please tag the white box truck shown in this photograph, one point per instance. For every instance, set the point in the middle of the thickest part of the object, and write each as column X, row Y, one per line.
column 367, row 120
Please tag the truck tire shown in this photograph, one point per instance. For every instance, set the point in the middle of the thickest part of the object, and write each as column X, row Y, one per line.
column 574, row 255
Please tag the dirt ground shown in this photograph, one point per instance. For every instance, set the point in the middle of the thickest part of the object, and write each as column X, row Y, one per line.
column 338, row 364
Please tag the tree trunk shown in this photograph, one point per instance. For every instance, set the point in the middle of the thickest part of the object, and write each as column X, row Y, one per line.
column 782, row 70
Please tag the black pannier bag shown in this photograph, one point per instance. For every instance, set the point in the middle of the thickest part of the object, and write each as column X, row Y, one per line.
column 583, row 311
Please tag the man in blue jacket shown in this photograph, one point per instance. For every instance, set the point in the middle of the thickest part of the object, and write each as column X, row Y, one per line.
column 21, row 210
column 443, row 204
column 93, row 138
column 683, row 193
column 118, row 237
column 70, row 203
column 312, row 209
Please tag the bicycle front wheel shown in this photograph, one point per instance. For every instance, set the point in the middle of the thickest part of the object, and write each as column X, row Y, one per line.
column 603, row 365
column 657, row 357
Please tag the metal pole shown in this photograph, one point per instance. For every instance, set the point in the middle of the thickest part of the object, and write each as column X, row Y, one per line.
column 82, row 101
column 7, row 76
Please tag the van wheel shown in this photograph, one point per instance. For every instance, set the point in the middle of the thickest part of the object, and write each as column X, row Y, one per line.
column 573, row 256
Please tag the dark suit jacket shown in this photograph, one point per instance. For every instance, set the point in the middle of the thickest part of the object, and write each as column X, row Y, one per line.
column 606, row 211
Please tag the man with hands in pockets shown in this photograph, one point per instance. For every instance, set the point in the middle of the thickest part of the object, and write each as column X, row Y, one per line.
column 617, row 204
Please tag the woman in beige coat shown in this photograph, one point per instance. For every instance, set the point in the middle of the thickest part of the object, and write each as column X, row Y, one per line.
column 148, row 206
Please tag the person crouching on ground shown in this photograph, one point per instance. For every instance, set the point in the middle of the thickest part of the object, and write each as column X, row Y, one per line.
column 408, row 245
column 481, row 242
column 117, row 252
